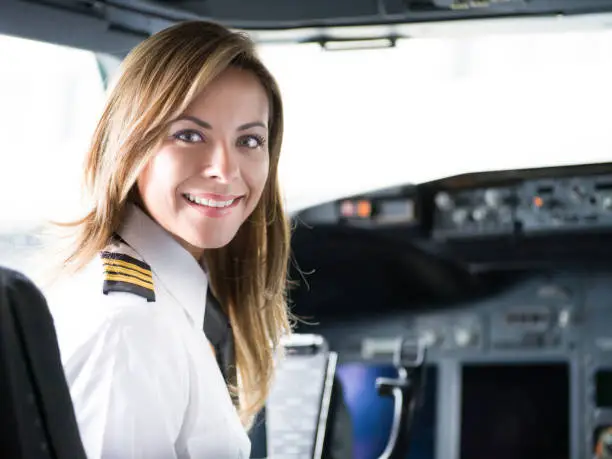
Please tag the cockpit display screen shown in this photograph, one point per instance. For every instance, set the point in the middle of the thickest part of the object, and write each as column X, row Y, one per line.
column 372, row 414
column 515, row 411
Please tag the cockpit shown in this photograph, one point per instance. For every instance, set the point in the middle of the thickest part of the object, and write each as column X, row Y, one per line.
column 446, row 168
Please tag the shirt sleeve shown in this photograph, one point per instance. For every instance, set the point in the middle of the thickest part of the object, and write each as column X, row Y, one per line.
column 129, row 387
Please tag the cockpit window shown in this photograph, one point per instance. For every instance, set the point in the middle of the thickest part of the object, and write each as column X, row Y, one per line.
column 436, row 107
column 50, row 97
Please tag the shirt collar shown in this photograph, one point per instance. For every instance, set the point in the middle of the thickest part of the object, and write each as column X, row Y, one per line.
column 180, row 274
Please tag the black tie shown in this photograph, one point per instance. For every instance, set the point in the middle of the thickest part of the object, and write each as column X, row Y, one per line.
column 218, row 330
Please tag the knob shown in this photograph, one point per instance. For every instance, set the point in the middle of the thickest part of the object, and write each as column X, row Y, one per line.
column 493, row 197
column 464, row 336
column 565, row 318
column 429, row 338
column 480, row 213
column 460, row 216
column 444, row 201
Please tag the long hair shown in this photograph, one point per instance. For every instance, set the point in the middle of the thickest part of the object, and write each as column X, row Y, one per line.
column 157, row 81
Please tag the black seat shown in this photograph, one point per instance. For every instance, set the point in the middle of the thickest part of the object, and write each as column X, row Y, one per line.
column 37, row 418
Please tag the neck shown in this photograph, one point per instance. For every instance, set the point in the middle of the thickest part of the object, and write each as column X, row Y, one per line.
column 195, row 252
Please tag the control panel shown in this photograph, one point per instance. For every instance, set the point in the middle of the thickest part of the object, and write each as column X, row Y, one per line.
column 379, row 211
column 573, row 203
column 532, row 317
column 484, row 211
column 520, row 352
column 529, row 207
column 450, row 332
column 515, row 327
column 543, row 339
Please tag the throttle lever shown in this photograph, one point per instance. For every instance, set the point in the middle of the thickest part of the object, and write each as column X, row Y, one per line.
column 406, row 389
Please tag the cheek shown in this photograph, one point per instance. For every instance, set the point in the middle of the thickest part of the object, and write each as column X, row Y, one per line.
column 163, row 173
column 257, row 178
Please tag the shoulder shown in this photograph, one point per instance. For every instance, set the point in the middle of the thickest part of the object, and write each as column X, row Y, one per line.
column 116, row 277
column 125, row 271
column 114, row 291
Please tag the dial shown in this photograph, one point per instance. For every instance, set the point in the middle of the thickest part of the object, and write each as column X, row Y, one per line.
column 460, row 216
column 479, row 214
column 493, row 197
column 429, row 338
column 464, row 336
column 444, row 201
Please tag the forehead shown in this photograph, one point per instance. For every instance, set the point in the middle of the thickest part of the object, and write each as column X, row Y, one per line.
column 235, row 94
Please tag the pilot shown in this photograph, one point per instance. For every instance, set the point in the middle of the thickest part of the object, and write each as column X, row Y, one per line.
column 185, row 207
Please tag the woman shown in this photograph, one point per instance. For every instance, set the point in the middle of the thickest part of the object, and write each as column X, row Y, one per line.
column 182, row 172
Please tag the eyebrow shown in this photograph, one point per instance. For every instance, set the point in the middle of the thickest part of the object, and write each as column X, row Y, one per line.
column 206, row 125
column 193, row 119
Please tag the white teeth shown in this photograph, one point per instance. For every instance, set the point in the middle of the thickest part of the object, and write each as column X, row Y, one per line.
column 209, row 202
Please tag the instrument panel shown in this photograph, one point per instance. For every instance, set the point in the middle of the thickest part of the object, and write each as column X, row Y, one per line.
column 482, row 211
column 544, row 341
column 545, row 344
column 529, row 207
column 505, row 204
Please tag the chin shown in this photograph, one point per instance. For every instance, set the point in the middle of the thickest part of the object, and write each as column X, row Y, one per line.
column 210, row 241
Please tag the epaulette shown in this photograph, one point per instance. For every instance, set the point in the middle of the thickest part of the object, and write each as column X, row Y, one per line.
column 123, row 272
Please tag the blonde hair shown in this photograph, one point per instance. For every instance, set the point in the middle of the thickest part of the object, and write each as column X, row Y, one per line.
column 157, row 81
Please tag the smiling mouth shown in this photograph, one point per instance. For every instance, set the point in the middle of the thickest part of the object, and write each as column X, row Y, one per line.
column 210, row 202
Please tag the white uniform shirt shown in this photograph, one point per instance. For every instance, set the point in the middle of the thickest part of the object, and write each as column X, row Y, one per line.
column 142, row 375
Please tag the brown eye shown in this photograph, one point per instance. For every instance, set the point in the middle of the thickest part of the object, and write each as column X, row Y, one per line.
column 189, row 136
column 251, row 141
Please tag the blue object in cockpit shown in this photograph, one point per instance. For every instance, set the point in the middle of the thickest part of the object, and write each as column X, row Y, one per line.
column 372, row 414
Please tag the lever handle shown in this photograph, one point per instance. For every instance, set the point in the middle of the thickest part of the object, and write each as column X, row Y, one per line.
column 406, row 389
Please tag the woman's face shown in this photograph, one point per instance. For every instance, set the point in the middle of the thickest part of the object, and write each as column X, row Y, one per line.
column 209, row 173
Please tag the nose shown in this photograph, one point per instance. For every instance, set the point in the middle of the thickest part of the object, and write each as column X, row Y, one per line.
column 222, row 164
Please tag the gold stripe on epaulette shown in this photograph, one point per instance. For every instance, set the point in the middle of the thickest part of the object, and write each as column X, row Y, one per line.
column 126, row 264
column 128, row 280
column 110, row 269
